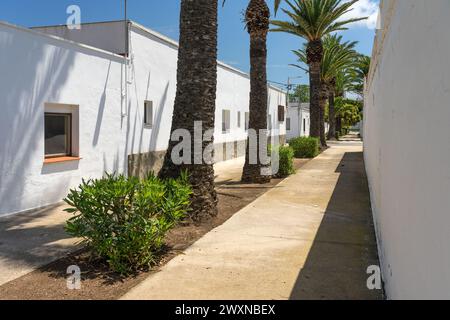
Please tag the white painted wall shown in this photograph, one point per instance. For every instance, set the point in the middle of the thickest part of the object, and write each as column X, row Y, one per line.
column 407, row 147
column 44, row 69
column 36, row 70
column 297, row 115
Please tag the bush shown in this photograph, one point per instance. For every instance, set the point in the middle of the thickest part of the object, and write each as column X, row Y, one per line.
column 124, row 220
column 305, row 147
column 286, row 164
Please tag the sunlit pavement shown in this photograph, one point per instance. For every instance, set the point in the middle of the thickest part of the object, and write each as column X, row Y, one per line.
column 311, row 237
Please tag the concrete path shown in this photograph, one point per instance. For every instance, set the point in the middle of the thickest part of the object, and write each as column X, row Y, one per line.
column 32, row 239
column 309, row 238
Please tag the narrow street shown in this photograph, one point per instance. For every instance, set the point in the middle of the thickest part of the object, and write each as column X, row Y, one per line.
column 311, row 237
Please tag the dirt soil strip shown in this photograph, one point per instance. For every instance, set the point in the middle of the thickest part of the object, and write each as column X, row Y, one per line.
column 98, row 283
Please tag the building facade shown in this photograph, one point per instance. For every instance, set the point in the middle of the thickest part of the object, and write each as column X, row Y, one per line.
column 78, row 103
column 297, row 120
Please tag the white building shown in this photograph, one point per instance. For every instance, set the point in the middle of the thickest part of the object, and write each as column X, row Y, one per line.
column 73, row 107
column 407, row 147
column 297, row 120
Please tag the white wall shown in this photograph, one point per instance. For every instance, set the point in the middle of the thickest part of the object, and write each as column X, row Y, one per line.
column 407, row 147
column 36, row 70
column 42, row 70
column 297, row 115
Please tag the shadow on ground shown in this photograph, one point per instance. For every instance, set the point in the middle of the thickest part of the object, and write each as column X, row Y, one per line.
column 345, row 243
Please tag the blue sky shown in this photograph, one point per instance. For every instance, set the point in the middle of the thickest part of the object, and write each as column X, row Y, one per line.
column 162, row 16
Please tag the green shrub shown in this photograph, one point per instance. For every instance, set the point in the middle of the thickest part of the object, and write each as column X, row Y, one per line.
column 305, row 147
column 286, row 164
column 124, row 220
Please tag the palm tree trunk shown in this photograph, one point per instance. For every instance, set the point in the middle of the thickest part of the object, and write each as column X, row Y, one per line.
column 322, row 103
column 314, row 54
column 257, row 20
column 338, row 127
column 196, row 99
column 332, row 115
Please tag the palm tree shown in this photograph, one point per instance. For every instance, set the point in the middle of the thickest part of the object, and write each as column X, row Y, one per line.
column 257, row 19
column 359, row 74
column 312, row 20
column 196, row 99
column 338, row 56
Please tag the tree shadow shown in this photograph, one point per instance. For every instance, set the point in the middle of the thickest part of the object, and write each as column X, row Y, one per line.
column 345, row 244
column 31, row 239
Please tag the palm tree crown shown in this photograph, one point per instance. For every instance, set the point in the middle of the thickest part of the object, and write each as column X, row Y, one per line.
column 313, row 19
column 337, row 57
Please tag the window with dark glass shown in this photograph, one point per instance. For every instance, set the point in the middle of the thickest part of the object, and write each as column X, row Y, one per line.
column 57, row 135
column 288, row 124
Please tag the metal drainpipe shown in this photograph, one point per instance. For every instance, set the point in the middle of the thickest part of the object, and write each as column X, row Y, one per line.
column 126, row 59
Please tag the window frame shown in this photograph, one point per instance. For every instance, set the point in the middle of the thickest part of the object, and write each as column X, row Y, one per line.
column 239, row 119
column 288, row 124
column 226, row 114
column 147, row 124
column 69, row 138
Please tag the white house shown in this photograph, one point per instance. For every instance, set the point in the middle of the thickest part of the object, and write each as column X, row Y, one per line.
column 78, row 103
column 297, row 120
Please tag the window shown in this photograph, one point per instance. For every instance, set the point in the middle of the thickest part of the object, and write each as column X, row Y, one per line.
column 269, row 122
column 148, row 114
column 281, row 114
column 247, row 121
column 225, row 121
column 58, row 135
column 288, row 124
column 239, row 119
column 304, row 125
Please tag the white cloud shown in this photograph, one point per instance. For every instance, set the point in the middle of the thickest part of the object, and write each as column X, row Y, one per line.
column 364, row 8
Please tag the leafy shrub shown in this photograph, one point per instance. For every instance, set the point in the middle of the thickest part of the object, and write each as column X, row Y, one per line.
column 124, row 220
column 286, row 163
column 305, row 147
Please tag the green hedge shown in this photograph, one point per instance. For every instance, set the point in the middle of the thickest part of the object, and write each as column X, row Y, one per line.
column 286, row 161
column 124, row 220
column 305, row 147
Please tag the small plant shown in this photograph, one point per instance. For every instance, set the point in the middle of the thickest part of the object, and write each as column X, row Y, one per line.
column 124, row 220
column 305, row 147
column 286, row 168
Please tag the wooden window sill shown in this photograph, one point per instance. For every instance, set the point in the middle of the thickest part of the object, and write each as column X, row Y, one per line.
column 61, row 159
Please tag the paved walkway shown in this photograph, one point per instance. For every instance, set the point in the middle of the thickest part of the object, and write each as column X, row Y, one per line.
column 310, row 238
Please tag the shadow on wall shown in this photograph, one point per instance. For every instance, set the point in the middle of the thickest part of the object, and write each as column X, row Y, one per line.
column 39, row 68
column 345, row 244
column 34, row 79
column 101, row 110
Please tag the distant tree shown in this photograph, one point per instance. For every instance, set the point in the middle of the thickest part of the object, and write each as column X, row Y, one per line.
column 349, row 112
column 338, row 56
column 312, row 20
column 301, row 92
